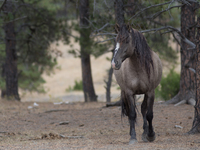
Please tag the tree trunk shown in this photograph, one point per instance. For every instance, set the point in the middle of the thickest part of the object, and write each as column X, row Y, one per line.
column 88, row 88
column 119, row 17
column 11, row 57
column 119, row 12
column 187, row 80
column 108, row 84
column 196, row 122
column 3, row 75
column 132, row 7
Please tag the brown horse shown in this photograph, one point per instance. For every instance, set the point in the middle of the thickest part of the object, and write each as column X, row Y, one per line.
column 138, row 70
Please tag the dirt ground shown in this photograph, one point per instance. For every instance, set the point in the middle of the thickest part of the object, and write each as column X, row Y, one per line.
column 90, row 126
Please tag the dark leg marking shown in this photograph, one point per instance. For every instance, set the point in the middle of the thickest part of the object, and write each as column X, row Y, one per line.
column 132, row 118
column 145, row 125
column 151, row 134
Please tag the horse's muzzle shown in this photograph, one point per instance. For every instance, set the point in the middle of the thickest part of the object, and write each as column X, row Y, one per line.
column 115, row 65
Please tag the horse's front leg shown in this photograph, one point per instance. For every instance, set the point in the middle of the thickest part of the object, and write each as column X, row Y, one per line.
column 150, row 101
column 132, row 118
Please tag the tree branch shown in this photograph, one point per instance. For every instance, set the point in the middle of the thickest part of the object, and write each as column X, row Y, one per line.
column 16, row 19
column 98, row 30
column 142, row 10
column 193, row 46
column 187, row 2
column 106, row 40
column 100, row 34
column 160, row 12
column 3, row 5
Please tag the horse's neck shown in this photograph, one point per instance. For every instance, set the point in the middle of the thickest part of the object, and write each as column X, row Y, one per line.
column 134, row 60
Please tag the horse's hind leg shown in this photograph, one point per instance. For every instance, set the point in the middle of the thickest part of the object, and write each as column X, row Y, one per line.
column 150, row 101
column 144, row 111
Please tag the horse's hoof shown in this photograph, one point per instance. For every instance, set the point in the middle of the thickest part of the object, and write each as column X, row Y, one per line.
column 144, row 137
column 132, row 141
column 151, row 138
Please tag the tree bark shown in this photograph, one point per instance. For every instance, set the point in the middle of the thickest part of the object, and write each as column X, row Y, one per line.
column 119, row 12
column 88, row 88
column 119, row 17
column 11, row 72
column 187, row 80
column 108, row 84
column 132, row 7
column 3, row 75
column 196, row 122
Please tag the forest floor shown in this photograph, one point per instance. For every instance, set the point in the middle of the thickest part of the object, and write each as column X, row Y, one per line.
column 90, row 126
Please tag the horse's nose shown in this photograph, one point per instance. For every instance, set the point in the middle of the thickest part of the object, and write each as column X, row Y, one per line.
column 113, row 64
column 116, row 62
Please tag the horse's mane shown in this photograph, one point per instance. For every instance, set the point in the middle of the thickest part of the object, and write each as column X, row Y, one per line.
column 142, row 50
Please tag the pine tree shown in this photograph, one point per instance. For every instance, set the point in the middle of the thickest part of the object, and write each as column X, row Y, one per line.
column 33, row 29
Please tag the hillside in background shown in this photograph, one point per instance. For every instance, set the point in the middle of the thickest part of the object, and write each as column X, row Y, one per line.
column 70, row 70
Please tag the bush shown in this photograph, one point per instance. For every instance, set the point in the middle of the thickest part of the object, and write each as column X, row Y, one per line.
column 77, row 87
column 169, row 86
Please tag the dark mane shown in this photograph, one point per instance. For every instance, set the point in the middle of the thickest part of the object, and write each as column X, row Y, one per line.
column 142, row 49
column 123, row 34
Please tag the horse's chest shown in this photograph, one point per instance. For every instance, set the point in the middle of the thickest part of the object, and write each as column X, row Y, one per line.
column 131, row 82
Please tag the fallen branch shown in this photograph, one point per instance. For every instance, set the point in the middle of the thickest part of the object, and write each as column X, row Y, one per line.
column 55, row 110
column 181, row 102
column 118, row 103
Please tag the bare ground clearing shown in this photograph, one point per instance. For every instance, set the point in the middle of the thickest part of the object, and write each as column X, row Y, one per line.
column 90, row 126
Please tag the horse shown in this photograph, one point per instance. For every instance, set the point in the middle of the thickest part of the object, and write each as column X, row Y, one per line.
column 138, row 70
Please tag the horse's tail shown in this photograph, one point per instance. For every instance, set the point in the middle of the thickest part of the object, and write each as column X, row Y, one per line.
column 128, row 107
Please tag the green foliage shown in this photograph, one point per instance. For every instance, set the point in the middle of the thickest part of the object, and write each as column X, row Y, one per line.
column 89, row 44
column 149, row 19
column 36, row 28
column 77, row 87
column 169, row 86
column 30, row 78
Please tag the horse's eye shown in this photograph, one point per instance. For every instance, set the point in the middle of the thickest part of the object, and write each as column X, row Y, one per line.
column 127, row 40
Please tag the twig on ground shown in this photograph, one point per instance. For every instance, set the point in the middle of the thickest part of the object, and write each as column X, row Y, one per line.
column 55, row 110
column 64, row 123
column 71, row 137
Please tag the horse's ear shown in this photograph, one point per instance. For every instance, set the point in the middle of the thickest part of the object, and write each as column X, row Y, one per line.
column 128, row 27
column 116, row 28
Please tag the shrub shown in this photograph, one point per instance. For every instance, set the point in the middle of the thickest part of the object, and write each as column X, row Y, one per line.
column 169, row 86
column 77, row 87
